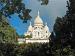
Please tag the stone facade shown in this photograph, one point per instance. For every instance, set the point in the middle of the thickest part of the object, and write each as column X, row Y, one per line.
column 38, row 32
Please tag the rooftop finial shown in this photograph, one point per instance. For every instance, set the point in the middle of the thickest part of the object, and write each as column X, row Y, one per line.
column 38, row 12
column 46, row 23
column 30, row 22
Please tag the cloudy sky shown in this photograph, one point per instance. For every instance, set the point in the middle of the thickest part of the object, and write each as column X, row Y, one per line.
column 48, row 13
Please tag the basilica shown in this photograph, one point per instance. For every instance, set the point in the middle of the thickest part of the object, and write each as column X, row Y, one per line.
column 38, row 32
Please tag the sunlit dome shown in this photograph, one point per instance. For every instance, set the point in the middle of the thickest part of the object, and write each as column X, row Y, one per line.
column 38, row 20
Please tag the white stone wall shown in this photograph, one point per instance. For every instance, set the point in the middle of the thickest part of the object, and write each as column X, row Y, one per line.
column 39, row 31
column 21, row 40
column 37, row 41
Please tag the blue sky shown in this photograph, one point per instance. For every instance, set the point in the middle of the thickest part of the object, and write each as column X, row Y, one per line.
column 48, row 13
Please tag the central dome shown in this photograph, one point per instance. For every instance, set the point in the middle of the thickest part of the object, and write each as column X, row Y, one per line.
column 38, row 20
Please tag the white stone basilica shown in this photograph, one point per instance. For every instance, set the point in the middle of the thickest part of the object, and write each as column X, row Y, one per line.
column 38, row 32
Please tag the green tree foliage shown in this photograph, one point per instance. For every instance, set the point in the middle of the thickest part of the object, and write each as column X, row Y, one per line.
column 64, row 27
column 7, row 49
column 28, row 36
column 35, row 49
column 44, row 2
column 71, row 20
column 63, row 38
column 9, row 7
column 7, row 33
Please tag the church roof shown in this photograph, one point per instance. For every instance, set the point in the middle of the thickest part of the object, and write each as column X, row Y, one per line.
column 38, row 20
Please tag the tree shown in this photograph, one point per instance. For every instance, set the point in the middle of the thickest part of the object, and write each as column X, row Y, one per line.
column 9, row 7
column 7, row 33
column 64, row 29
column 44, row 2
column 71, row 20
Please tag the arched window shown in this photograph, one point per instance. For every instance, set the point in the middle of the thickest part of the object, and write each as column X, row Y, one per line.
column 46, row 36
column 38, row 33
column 46, row 31
column 35, row 28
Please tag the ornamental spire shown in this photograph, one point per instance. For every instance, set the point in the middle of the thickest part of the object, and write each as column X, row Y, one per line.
column 30, row 22
column 30, row 27
column 38, row 13
column 46, row 23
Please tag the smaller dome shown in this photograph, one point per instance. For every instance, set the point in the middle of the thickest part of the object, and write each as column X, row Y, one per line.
column 30, row 28
column 46, row 27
